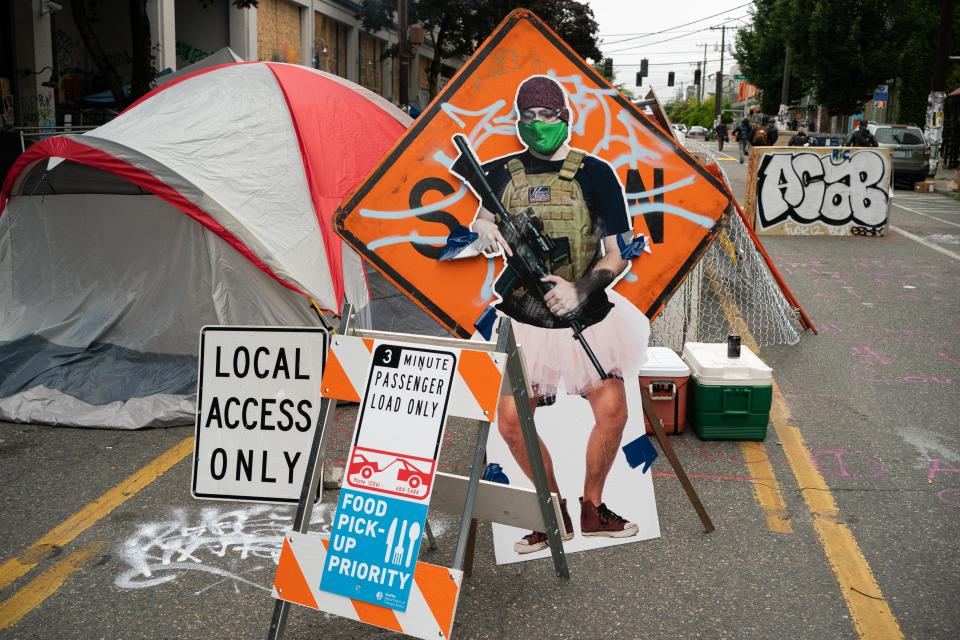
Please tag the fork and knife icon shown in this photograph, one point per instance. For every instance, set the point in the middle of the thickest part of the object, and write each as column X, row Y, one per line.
column 410, row 535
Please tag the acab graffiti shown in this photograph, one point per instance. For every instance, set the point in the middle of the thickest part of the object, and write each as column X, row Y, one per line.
column 832, row 189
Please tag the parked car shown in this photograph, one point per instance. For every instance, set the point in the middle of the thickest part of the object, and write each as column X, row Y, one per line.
column 680, row 133
column 697, row 132
column 911, row 154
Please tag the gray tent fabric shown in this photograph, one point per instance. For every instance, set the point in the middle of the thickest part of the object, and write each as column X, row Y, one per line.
column 119, row 373
column 104, row 295
column 197, row 206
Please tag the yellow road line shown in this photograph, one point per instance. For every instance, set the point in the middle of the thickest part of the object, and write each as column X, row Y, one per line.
column 766, row 488
column 871, row 614
column 45, row 585
column 90, row 514
column 872, row 617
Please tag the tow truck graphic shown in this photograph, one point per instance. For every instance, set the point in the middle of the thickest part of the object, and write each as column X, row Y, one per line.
column 391, row 473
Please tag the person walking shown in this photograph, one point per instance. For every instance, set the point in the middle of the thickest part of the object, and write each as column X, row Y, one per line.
column 801, row 139
column 743, row 135
column 759, row 137
column 770, row 127
column 721, row 131
column 862, row 137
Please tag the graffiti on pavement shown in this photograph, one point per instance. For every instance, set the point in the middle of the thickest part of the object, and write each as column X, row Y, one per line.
column 847, row 464
column 234, row 546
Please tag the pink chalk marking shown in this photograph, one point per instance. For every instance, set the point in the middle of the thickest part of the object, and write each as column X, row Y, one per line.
column 953, row 500
column 843, row 457
column 944, row 356
column 936, row 466
column 869, row 356
column 707, row 476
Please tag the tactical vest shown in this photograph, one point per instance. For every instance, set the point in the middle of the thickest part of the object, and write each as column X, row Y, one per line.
column 556, row 198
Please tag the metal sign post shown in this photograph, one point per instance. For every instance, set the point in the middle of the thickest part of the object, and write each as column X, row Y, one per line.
column 480, row 404
column 312, row 481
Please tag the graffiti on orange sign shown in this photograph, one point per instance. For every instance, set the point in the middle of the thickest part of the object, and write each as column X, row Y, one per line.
column 401, row 217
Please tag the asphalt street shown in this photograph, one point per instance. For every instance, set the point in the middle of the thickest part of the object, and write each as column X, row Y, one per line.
column 101, row 539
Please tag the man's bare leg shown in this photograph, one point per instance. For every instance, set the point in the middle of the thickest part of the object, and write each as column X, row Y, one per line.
column 609, row 404
column 508, row 422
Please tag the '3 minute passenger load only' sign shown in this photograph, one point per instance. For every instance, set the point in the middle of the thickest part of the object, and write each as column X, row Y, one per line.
column 376, row 533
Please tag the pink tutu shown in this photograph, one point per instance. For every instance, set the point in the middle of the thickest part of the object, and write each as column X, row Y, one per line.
column 619, row 341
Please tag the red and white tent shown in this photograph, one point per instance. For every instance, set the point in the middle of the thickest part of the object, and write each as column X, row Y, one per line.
column 209, row 201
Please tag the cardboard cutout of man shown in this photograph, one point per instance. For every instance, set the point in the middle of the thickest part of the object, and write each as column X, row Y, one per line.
column 580, row 202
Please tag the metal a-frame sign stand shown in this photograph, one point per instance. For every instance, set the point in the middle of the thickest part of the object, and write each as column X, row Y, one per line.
column 515, row 378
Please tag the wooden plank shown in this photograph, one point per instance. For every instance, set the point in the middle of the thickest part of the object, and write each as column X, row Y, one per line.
column 503, row 503
column 750, row 201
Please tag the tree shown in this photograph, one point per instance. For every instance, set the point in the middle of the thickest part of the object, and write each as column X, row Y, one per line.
column 759, row 51
column 87, row 13
column 840, row 50
column 696, row 113
column 456, row 27
column 921, row 19
column 854, row 47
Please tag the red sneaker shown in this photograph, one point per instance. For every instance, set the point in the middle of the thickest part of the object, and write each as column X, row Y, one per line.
column 537, row 540
column 602, row 522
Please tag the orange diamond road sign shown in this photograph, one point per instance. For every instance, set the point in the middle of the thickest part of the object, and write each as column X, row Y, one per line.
column 399, row 219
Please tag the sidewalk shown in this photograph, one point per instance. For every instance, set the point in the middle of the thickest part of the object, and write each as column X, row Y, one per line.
column 945, row 179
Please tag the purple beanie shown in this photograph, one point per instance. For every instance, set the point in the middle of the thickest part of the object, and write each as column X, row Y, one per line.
column 540, row 91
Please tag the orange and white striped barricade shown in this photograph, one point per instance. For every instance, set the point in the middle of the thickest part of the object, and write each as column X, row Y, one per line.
column 484, row 371
column 430, row 609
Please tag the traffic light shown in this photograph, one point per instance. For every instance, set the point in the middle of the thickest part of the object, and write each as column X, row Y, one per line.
column 639, row 78
column 670, row 79
column 696, row 76
column 608, row 67
column 643, row 67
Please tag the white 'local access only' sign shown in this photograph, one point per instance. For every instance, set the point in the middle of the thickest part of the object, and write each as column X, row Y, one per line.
column 258, row 406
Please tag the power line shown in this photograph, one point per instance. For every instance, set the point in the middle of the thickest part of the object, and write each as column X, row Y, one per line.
column 635, row 33
column 686, row 24
column 650, row 44
column 666, row 64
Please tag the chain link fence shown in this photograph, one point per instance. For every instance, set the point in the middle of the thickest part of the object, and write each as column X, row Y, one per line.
column 729, row 291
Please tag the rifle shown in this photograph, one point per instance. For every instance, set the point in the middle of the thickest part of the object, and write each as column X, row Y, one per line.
column 531, row 248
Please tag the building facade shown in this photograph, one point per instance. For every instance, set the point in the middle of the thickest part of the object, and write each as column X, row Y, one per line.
column 47, row 76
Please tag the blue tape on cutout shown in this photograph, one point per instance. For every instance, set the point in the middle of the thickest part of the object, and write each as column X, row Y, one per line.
column 640, row 452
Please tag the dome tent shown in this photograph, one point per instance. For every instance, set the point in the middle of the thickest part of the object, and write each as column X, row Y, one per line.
column 209, row 201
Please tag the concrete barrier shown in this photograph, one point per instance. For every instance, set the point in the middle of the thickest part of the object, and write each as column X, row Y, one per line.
column 836, row 191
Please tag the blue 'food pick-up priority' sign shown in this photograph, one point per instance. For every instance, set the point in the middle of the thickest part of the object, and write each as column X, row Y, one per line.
column 373, row 550
column 378, row 525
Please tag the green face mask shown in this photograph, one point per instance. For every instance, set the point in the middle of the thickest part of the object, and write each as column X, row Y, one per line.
column 542, row 137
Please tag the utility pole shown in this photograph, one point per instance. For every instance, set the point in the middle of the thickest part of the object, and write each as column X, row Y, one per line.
column 933, row 131
column 785, row 87
column 403, row 52
column 700, row 91
column 718, row 97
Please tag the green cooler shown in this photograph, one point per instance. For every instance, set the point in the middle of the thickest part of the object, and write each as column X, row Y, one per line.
column 729, row 398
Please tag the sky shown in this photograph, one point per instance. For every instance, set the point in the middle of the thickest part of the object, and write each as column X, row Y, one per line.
column 628, row 34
